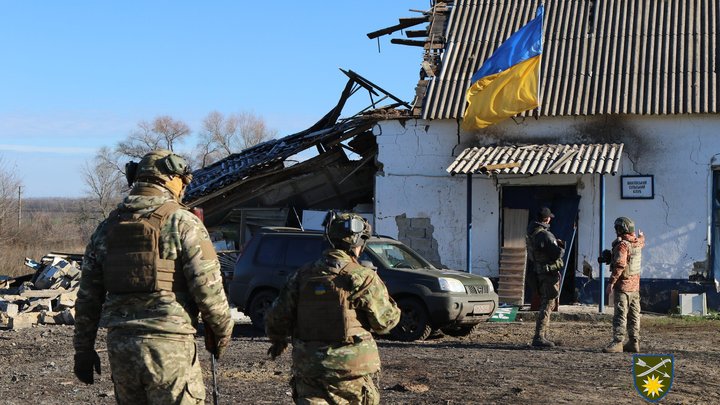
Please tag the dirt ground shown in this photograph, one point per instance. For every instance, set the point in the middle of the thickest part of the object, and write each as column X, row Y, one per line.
column 493, row 365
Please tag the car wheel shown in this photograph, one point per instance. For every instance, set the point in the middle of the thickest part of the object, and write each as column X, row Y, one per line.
column 414, row 322
column 459, row 330
column 259, row 304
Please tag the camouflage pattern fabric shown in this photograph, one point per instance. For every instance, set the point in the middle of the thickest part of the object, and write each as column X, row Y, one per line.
column 620, row 255
column 626, row 291
column 548, row 286
column 309, row 391
column 626, row 316
column 154, row 370
column 333, row 365
column 183, row 238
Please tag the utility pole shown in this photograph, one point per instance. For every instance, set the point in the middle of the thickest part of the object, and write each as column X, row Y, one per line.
column 19, row 206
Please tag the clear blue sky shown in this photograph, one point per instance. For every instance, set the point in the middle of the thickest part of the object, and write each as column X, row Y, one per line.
column 79, row 75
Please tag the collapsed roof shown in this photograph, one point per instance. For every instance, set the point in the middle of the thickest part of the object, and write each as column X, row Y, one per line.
column 266, row 175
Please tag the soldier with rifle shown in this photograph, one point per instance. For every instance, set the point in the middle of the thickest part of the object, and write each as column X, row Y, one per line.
column 545, row 253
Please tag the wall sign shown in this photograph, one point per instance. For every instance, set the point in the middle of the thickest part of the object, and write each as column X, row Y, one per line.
column 642, row 187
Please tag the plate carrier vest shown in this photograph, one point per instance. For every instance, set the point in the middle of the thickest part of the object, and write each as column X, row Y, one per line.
column 324, row 313
column 132, row 263
column 634, row 260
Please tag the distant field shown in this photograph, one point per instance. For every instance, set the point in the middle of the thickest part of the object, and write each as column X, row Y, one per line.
column 43, row 225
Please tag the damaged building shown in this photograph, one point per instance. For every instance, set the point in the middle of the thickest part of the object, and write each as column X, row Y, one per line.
column 331, row 165
column 626, row 127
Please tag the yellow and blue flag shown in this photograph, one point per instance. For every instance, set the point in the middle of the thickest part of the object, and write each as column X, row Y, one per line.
column 507, row 82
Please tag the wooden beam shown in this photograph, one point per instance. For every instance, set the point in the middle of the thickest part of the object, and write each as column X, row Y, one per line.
column 407, row 42
column 500, row 166
column 404, row 23
column 416, row 33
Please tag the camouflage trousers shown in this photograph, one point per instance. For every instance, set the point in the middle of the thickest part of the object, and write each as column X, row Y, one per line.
column 315, row 391
column 627, row 315
column 548, row 286
column 150, row 370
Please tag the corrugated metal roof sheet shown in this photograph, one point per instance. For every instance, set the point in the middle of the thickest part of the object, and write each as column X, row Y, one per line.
column 267, row 157
column 600, row 57
column 539, row 159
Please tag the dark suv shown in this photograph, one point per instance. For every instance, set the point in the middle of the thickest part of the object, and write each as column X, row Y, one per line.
column 429, row 298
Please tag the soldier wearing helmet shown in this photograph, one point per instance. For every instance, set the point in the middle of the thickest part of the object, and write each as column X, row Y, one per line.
column 329, row 309
column 545, row 253
column 625, row 268
column 149, row 270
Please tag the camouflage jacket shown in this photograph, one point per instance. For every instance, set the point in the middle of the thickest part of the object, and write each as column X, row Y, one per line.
column 620, row 255
column 162, row 313
column 340, row 360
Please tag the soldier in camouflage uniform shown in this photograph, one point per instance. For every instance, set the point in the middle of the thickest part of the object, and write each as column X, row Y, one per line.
column 625, row 261
column 545, row 253
column 148, row 271
column 330, row 307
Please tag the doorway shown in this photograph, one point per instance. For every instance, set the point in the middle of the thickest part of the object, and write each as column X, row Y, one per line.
column 563, row 201
column 715, row 230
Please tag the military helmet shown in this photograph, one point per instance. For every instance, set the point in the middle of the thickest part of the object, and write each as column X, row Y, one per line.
column 346, row 230
column 624, row 225
column 161, row 164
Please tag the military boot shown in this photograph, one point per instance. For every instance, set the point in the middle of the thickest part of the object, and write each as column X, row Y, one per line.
column 614, row 347
column 541, row 341
column 632, row 346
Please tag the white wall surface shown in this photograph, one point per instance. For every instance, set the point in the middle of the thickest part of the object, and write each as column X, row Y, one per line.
column 678, row 150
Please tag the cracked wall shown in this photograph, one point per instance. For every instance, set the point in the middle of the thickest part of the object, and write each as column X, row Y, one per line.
column 679, row 151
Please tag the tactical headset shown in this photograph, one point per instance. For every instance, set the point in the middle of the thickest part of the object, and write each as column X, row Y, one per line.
column 171, row 164
column 351, row 229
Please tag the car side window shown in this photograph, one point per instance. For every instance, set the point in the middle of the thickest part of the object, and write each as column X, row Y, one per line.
column 303, row 250
column 366, row 257
column 270, row 252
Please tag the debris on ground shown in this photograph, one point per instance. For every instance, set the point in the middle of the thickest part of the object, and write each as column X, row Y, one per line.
column 44, row 297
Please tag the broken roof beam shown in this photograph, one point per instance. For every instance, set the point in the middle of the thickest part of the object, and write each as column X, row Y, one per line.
column 416, row 33
column 370, row 85
column 404, row 23
column 436, row 44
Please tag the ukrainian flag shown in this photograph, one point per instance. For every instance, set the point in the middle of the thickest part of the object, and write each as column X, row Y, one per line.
column 507, row 83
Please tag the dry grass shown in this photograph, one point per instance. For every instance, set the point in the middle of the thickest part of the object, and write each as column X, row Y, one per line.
column 47, row 225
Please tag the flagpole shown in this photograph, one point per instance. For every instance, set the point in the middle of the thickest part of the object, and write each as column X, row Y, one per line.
column 542, row 47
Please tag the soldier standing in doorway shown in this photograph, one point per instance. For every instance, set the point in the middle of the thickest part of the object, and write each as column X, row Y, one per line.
column 625, row 267
column 148, row 271
column 545, row 253
column 330, row 308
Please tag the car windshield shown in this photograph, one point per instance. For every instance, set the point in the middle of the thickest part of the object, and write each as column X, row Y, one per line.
column 397, row 256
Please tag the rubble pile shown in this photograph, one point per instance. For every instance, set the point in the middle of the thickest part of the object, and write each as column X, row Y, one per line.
column 45, row 297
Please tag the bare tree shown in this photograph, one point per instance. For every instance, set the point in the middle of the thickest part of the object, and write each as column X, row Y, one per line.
column 164, row 132
column 222, row 136
column 9, row 185
column 105, row 183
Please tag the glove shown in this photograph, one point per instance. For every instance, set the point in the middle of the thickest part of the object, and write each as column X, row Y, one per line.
column 222, row 345
column 561, row 243
column 84, row 364
column 215, row 345
column 276, row 349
